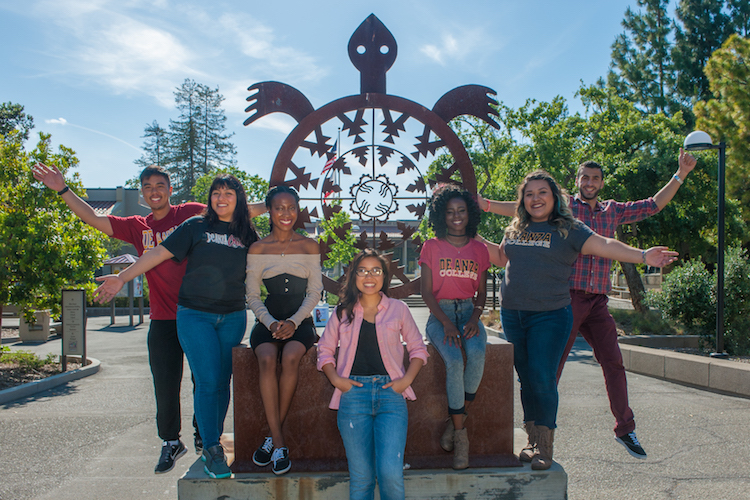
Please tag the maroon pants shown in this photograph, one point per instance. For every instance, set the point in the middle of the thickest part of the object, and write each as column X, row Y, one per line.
column 591, row 317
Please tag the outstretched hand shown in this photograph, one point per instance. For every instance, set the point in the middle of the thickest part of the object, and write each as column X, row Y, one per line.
column 660, row 256
column 50, row 176
column 107, row 290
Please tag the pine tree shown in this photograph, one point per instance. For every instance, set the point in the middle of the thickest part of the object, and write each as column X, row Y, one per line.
column 197, row 142
column 641, row 69
column 155, row 146
column 703, row 27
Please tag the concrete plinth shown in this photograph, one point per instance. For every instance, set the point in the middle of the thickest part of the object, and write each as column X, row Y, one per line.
column 507, row 483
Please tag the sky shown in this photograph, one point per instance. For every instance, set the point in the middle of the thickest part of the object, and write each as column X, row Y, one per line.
column 94, row 73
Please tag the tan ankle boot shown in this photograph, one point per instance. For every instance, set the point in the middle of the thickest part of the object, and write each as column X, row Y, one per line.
column 546, row 438
column 461, row 449
column 446, row 440
column 530, row 450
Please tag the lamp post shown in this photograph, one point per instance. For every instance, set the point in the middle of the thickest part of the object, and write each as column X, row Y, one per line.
column 699, row 141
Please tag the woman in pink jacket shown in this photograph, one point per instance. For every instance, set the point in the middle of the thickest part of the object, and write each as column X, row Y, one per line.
column 369, row 376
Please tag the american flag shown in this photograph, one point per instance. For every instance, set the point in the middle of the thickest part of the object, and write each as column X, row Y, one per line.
column 332, row 159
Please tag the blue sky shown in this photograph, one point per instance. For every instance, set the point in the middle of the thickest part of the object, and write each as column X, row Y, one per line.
column 94, row 73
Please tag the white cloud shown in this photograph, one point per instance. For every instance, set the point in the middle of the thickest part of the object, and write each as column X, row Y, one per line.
column 57, row 121
column 460, row 45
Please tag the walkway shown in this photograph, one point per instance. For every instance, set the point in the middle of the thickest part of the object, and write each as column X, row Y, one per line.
column 96, row 437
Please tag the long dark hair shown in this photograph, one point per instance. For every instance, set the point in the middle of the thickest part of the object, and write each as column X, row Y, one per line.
column 561, row 216
column 241, row 225
column 349, row 293
column 439, row 204
column 273, row 192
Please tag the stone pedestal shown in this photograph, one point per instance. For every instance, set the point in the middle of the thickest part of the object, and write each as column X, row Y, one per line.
column 39, row 331
column 313, row 438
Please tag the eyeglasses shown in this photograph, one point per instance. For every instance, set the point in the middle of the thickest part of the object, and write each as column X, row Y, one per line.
column 375, row 271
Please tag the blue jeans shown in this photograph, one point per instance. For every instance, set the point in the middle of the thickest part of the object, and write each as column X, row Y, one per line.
column 461, row 383
column 372, row 422
column 538, row 339
column 207, row 340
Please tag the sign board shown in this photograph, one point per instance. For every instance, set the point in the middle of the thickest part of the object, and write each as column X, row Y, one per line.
column 74, row 322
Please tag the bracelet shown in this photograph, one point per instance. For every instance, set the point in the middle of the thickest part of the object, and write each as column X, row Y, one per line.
column 677, row 178
column 63, row 190
column 643, row 256
column 488, row 206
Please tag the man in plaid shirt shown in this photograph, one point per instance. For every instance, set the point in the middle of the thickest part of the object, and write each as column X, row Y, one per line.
column 590, row 283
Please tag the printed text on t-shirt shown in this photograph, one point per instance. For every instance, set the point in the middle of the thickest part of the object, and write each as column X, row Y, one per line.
column 529, row 239
column 148, row 238
column 228, row 240
column 459, row 268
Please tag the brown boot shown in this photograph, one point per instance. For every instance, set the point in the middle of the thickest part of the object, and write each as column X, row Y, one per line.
column 530, row 450
column 446, row 440
column 461, row 449
column 545, row 440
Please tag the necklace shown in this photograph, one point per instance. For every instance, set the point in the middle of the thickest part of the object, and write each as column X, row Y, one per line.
column 456, row 235
column 287, row 246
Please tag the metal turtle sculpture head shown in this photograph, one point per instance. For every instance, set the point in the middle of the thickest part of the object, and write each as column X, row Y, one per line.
column 375, row 163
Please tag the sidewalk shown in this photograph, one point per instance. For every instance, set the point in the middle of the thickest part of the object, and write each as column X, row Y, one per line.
column 96, row 437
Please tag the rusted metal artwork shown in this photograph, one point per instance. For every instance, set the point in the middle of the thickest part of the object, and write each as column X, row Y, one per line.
column 368, row 153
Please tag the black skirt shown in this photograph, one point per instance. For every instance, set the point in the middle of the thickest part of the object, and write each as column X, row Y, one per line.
column 285, row 296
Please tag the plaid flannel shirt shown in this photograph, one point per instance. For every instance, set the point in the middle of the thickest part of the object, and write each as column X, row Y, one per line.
column 591, row 273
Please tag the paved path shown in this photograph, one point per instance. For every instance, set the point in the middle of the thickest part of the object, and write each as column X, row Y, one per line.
column 95, row 438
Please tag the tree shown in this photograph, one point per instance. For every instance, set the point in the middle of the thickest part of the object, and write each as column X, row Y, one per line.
column 45, row 246
column 704, row 26
column 740, row 17
column 726, row 117
column 12, row 117
column 197, row 142
column 155, row 146
column 641, row 69
column 337, row 235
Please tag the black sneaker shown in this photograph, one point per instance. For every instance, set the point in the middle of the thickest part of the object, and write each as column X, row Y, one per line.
column 630, row 442
column 262, row 455
column 169, row 454
column 198, row 442
column 281, row 462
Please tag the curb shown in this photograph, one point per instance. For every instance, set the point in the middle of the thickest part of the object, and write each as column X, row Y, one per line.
column 31, row 388
column 720, row 375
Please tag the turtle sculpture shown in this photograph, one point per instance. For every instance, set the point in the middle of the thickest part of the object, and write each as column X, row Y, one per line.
column 384, row 143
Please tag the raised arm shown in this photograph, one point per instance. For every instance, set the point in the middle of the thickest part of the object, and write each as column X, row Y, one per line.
column 616, row 250
column 687, row 164
column 51, row 177
column 113, row 283
column 507, row 208
column 497, row 252
column 257, row 208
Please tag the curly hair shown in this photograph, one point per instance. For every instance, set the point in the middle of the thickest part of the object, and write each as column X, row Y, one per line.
column 277, row 190
column 349, row 293
column 241, row 225
column 439, row 204
column 561, row 216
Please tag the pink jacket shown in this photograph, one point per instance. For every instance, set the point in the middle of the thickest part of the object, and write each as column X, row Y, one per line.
column 392, row 322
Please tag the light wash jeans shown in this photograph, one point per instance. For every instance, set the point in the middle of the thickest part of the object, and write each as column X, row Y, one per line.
column 372, row 422
column 461, row 383
column 538, row 339
column 207, row 340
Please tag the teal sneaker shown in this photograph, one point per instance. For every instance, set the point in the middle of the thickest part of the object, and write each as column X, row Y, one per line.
column 216, row 463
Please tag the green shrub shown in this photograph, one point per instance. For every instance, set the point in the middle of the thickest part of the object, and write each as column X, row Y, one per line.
column 650, row 323
column 26, row 359
column 688, row 296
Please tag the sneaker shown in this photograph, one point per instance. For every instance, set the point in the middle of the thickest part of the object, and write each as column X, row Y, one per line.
column 280, row 459
column 263, row 454
column 630, row 442
column 198, row 442
column 216, row 462
column 169, row 454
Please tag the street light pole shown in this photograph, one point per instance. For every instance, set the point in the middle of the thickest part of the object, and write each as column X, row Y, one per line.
column 699, row 141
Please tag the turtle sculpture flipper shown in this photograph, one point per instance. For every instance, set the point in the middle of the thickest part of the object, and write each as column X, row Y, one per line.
column 276, row 97
column 471, row 100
